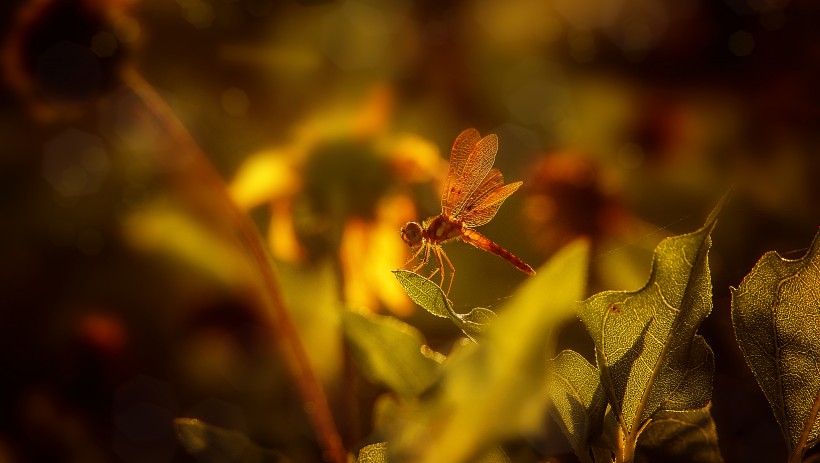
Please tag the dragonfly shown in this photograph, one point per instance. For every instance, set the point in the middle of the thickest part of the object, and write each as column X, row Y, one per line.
column 473, row 192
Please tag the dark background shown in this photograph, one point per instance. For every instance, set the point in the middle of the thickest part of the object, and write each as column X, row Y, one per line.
column 124, row 301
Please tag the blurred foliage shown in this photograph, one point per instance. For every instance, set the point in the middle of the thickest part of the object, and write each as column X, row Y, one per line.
column 578, row 401
column 134, row 288
column 390, row 352
column 210, row 444
column 502, row 377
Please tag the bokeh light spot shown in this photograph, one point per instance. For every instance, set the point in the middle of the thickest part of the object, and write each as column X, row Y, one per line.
column 94, row 159
column 104, row 44
column 741, row 43
column 200, row 14
column 75, row 163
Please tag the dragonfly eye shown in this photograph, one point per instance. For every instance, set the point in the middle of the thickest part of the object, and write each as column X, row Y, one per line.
column 411, row 234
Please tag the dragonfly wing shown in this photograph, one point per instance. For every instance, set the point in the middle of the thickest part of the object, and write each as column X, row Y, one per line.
column 462, row 147
column 484, row 211
column 491, row 182
column 473, row 173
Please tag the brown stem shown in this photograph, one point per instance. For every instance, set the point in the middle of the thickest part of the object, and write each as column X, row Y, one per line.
column 625, row 453
column 281, row 323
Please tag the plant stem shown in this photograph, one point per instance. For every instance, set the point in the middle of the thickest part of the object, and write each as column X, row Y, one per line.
column 625, row 453
column 277, row 316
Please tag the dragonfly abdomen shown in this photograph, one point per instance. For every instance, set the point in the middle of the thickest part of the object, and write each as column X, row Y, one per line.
column 482, row 242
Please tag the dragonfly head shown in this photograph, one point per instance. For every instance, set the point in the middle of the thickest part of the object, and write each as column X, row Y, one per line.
column 411, row 234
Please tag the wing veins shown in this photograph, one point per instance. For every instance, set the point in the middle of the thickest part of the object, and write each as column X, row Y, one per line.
column 486, row 209
column 473, row 173
column 462, row 148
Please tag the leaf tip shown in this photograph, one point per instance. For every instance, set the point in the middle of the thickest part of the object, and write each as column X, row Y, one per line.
column 711, row 220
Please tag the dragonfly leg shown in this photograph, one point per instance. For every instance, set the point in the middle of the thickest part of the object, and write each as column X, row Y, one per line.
column 414, row 256
column 452, row 271
column 439, row 252
column 426, row 258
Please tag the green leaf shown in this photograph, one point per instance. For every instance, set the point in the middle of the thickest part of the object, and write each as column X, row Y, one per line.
column 496, row 389
column 389, row 352
column 211, row 444
column 475, row 322
column 430, row 296
column 578, row 402
column 681, row 437
column 425, row 293
column 373, row 453
column 647, row 351
column 377, row 453
column 776, row 315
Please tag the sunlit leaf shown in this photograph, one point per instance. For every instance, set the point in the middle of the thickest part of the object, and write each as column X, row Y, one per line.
column 373, row 453
column 430, row 296
column 497, row 388
column 377, row 453
column 495, row 455
column 776, row 314
column 390, row 353
column 578, row 402
column 475, row 322
column 681, row 437
column 212, row 444
column 425, row 293
column 647, row 351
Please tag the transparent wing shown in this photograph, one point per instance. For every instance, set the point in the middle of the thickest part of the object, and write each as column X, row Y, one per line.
column 472, row 174
column 491, row 182
column 462, row 147
column 484, row 211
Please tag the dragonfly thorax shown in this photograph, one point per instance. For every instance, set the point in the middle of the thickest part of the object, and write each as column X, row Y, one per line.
column 440, row 229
